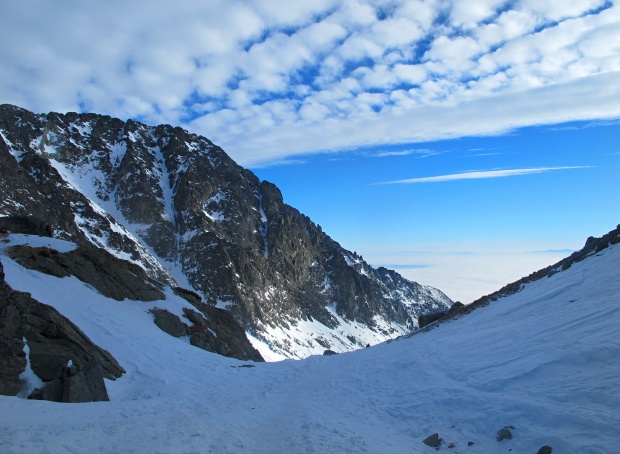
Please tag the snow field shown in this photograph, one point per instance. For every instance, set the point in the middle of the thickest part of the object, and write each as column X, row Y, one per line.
column 545, row 360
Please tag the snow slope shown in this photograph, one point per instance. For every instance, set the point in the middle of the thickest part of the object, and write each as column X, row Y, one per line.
column 545, row 360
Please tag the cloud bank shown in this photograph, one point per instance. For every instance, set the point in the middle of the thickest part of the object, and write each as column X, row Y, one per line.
column 268, row 80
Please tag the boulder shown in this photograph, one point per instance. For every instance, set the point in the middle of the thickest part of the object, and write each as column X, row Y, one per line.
column 430, row 317
column 169, row 322
column 545, row 450
column 75, row 385
column 505, row 433
column 433, row 441
column 329, row 353
column 455, row 308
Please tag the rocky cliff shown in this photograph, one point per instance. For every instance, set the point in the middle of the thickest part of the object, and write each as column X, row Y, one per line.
column 179, row 207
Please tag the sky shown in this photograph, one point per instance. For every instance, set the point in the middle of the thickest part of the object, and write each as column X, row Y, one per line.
column 464, row 143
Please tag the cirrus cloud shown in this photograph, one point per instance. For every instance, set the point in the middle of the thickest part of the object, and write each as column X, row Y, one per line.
column 482, row 174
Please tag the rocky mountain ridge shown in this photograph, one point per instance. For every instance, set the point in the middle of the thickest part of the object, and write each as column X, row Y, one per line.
column 179, row 207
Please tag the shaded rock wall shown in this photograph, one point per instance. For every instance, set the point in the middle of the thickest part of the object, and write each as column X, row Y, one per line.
column 54, row 342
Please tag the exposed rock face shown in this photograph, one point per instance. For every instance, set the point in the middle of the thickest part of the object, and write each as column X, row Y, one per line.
column 215, row 330
column 212, row 329
column 25, row 224
column 53, row 342
column 113, row 277
column 177, row 204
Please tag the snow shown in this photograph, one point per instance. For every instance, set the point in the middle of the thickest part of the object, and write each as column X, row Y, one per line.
column 264, row 227
column 38, row 241
column 28, row 377
column 545, row 360
column 216, row 200
column 215, row 215
column 17, row 154
column 117, row 153
column 87, row 179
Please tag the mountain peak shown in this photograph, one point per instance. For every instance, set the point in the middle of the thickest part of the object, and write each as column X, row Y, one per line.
column 178, row 206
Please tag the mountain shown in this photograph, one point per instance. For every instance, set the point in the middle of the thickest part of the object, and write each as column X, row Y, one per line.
column 541, row 363
column 176, row 205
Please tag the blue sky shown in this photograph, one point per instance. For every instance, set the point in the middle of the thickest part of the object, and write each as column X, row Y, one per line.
column 449, row 139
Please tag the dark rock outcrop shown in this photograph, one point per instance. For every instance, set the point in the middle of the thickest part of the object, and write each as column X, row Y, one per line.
column 433, row 441
column 211, row 329
column 427, row 319
column 169, row 323
column 75, row 385
column 545, row 450
column 26, row 225
column 505, row 433
column 216, row 330
column 53, row 342
column 12, row 357
column 455, row 307
column 111, row 276
column 329, row 353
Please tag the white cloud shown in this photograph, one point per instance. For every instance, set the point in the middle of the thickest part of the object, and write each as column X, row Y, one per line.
column 555, row 10
column 469, row 13
column 268, row 80
column 395, row 32
column 423, row 152
column 482, row 174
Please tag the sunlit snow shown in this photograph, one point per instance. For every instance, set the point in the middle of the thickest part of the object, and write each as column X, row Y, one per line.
column 545, row 360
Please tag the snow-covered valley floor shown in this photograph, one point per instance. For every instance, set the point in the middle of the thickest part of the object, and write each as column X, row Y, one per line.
column 545, row 360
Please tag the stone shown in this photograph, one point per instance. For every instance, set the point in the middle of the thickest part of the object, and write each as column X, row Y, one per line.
column 84, row 385
column 470, row 443
column 545, row 450
column 329, row 353
column 428, row 318
column 455, row 308
column 75, row 385
column 505, row 433
column 195, row 317
column 433, row 441
column 169, row 322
